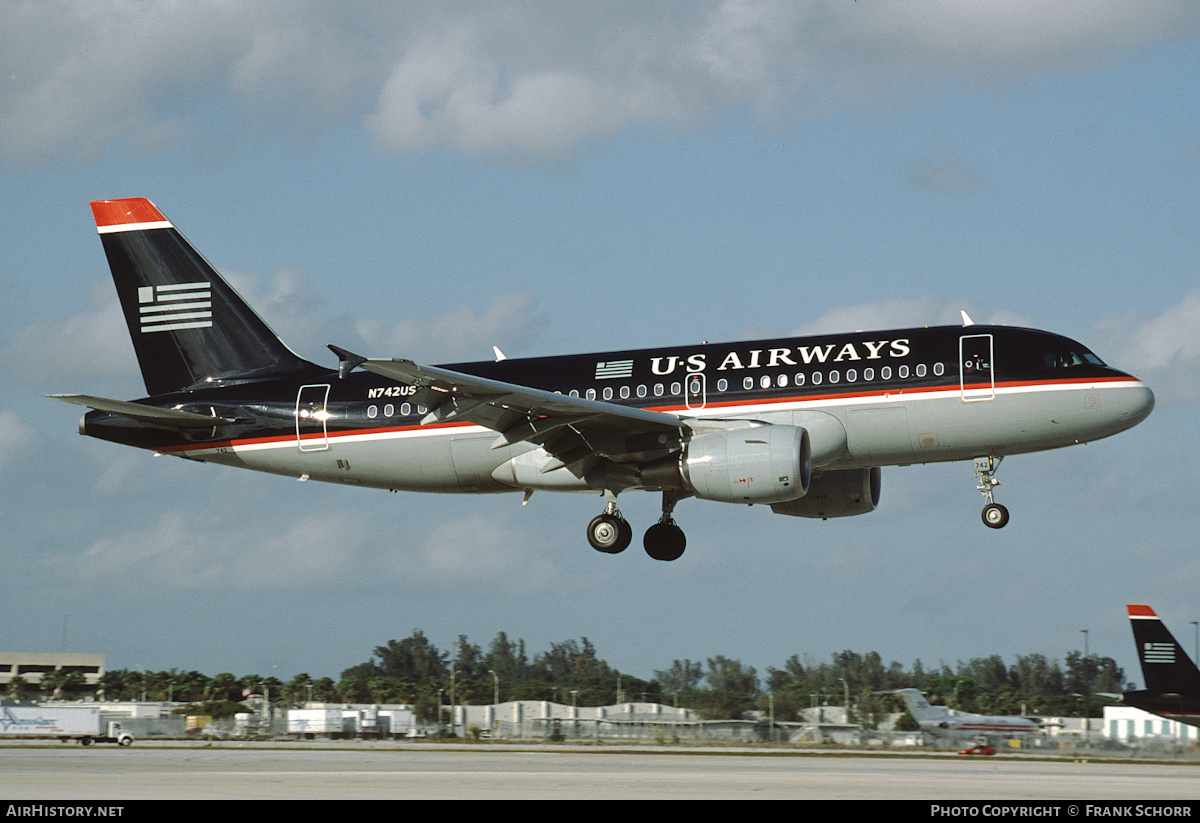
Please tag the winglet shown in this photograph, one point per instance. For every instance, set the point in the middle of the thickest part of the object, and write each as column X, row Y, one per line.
column 132, row 214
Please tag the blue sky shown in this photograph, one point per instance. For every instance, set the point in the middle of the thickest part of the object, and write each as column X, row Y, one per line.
column 429, row 181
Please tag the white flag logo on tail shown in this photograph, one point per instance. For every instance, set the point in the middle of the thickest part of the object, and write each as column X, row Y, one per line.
column 177, row 306
column 1160, row 652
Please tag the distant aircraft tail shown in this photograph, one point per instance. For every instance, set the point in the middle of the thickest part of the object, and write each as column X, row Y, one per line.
column 918, row 706
column 189, row 327
column 1166, row 667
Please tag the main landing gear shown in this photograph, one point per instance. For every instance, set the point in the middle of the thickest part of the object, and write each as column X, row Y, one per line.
column 611, row 533
column 995, row 516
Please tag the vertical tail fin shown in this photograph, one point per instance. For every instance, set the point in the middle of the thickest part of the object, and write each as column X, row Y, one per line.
column 1166, row 667
column 918, row 706
column 189, row 327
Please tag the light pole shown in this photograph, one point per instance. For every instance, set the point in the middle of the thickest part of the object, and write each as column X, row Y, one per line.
column 1087, row 691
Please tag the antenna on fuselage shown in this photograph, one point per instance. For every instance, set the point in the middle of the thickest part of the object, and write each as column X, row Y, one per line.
column 967, row 321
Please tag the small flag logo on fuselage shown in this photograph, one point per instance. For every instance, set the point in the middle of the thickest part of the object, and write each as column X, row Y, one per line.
column 614, row 369
column 176, row 306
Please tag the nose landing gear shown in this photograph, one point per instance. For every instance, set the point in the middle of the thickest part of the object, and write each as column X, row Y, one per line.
column 995, row 516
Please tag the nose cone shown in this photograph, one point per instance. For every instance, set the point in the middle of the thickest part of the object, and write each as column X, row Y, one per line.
column 1139, row 402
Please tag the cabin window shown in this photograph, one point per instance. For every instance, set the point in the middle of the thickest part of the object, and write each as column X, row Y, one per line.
column 920, row 370
column 816, row 378
column 676, row 388
column 624, row 392
column 885, row 373
column 868, row 373
column 591, row 394
column 851, row 375
column 834, row 376
column 658, row 389
column 608, row 393
column 372, row 411
column 722, row 384
column 799, row 380
column 939, row 369
column 748, row 383
column 903, row 372
column 641, row 391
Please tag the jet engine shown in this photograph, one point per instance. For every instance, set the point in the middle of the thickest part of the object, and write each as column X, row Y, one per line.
column 754, row 464
column 840, row 493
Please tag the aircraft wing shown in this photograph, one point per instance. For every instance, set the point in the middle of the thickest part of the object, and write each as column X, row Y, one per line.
column 577, row 433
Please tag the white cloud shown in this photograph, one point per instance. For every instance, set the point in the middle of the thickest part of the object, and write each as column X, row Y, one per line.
column 17, row 438
column 1162, row 350
column 943, row 172
column 90, row 345
column 189, row 550
column 523, row 78
column 904, row 312
column 481, row 551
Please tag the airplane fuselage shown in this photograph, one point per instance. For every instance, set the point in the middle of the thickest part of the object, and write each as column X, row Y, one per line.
column 869, row 399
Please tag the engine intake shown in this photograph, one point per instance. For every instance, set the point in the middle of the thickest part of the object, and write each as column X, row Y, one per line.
column 840, row 493
column 757, row 464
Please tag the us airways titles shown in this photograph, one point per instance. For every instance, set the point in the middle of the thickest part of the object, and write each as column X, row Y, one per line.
column 787, row 356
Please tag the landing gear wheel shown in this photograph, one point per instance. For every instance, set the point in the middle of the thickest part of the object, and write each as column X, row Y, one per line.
column 609, row 533
column 664, row 541
column 995, row 516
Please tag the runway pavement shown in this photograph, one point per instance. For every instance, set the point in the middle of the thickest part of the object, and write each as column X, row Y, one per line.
column 231, row 770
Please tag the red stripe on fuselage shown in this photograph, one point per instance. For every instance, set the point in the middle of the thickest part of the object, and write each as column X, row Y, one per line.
column 671, row 409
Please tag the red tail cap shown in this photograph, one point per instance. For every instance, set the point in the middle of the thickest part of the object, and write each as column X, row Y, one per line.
column 124, row 212
column 1140, row 611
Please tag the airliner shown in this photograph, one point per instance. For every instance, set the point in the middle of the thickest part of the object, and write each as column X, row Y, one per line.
column 802, row 425
column 938, row 721
column 1172, row 679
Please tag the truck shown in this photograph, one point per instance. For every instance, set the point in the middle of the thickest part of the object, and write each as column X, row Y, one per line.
column 64, row 723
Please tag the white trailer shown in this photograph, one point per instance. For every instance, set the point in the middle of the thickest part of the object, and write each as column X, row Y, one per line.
column 325, row 722
column 82, row 723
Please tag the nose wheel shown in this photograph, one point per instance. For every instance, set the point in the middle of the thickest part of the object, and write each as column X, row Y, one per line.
column 995, row 516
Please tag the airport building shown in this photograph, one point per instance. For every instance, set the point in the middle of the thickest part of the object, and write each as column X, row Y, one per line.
column 1131, row 726
column 33, row 666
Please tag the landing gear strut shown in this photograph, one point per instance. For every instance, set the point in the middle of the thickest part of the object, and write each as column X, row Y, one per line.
column 665, row 540
column 610, row 532
column 995, row 516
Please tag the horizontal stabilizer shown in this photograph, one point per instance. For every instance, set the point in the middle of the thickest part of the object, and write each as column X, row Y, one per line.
column 169, row 418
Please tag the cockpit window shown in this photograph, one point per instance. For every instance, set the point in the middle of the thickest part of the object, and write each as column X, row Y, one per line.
column 1067, row 358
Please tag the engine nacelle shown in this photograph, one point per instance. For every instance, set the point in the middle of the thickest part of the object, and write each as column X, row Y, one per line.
column 756, row 464
column 840, row 493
